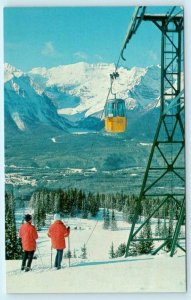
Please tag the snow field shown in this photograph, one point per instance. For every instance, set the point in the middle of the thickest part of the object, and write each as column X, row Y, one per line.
column 132, row 275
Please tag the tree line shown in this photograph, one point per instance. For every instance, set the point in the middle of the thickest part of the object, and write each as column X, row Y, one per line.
column 71, row 202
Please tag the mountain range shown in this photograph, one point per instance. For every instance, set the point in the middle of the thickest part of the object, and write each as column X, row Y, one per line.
column 72, row 97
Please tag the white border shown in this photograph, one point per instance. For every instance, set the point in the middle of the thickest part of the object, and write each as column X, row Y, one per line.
column 187, row 7
column 93, row 2
column 2, row 221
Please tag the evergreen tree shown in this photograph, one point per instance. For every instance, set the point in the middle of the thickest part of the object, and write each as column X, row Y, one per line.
column 32, row 201
column 68, row 254
column 102, row 200
column 42, row 204
column 74, row 202
column 113, row 222
column 84, row 252
column 141, row 245
column 45, row 200
column 74, row 253
column 146, row 245
column 120, row 250
column 50, row 206
column 85, row 209
column 164, row 229
column 111, row 251
column 131, row 217
column 170, row 227
column 13, row 247
column 134, row 210
column 158, row 228
column 94, row 205
column 133, row 251
column 57, row 201
column 106, row 223
column 48, row 202
column 120, row 201
column 114, row 202
column 81, row 197
column 125, row 212
column 148, row 235
column 73, row 212
column 39, row 216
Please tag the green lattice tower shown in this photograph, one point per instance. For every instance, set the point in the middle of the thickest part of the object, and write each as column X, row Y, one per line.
column 164, row 179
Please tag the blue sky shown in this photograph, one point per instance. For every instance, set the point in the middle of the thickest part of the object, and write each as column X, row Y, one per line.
column 47, row 37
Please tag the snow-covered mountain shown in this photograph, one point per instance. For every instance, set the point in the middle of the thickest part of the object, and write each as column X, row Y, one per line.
column 80, row 90
column 74, row 95
column 26, row 106
column 10, row 72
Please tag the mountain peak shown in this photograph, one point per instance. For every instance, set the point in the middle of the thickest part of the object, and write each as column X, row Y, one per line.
column 10, row 72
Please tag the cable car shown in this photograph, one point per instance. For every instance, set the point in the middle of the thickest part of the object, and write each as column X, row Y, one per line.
column 115, row 116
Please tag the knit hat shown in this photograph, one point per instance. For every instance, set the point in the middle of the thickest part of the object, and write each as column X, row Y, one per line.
column 57, row 217
column 28, row 218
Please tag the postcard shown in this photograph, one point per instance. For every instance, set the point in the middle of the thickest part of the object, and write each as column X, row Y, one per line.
column 94, row 149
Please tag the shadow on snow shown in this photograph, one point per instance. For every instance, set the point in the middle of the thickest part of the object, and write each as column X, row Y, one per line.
column 86, row 264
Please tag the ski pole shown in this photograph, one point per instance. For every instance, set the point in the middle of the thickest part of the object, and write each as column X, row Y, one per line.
column 40, row 256
column 51, row 257
column 69, row 250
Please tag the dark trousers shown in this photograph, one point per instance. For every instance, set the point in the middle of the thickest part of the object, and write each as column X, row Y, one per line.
column 58, row 258
column 27, row 255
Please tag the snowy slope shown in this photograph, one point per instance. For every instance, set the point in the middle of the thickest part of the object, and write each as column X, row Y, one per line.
column 97, row 273
column 133, row 275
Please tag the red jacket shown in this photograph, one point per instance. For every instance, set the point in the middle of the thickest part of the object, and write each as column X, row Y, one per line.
column 28, row 234
column 57, row 232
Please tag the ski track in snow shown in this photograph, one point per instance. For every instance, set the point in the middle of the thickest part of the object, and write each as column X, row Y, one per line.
column 97, row 273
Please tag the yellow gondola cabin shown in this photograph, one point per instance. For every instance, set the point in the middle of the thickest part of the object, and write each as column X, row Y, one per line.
column 115, row 116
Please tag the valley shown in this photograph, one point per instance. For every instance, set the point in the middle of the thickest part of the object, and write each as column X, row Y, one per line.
column 102, row 163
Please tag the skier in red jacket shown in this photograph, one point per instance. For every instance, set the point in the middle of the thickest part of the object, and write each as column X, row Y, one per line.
column 57, row 232
column 28, row 235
